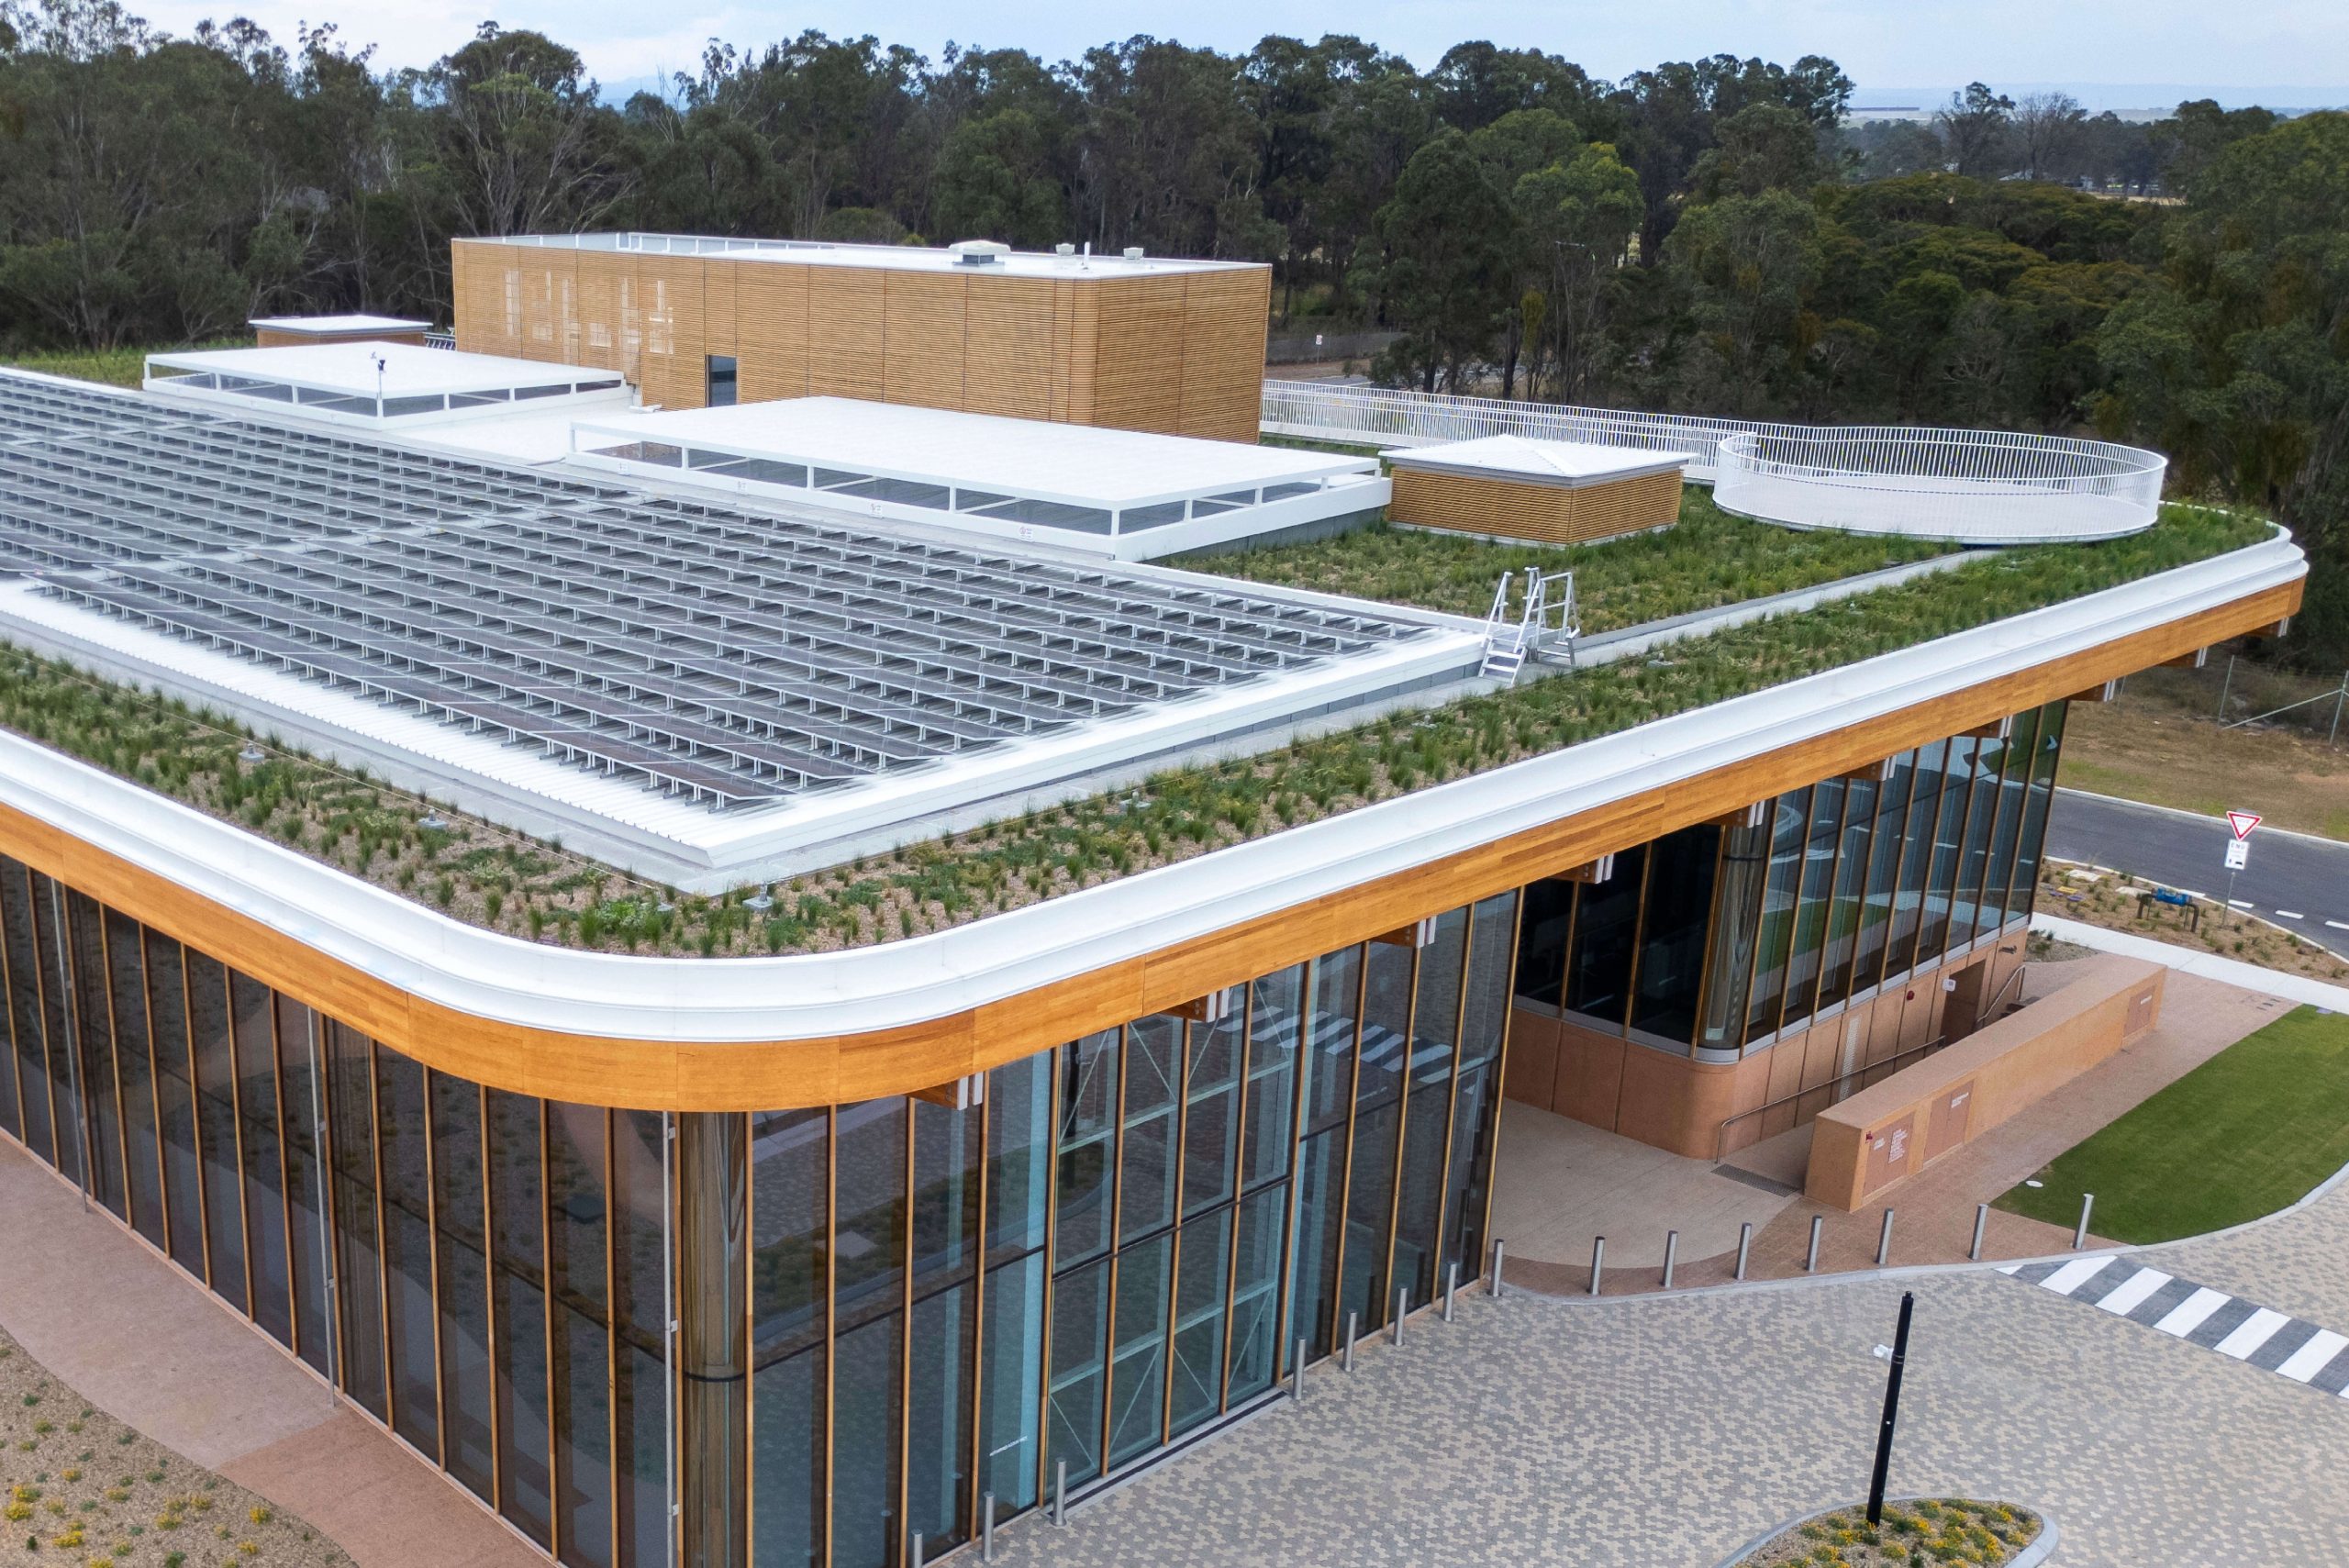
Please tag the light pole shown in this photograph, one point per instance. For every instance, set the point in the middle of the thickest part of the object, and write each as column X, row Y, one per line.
column 1891, row 1410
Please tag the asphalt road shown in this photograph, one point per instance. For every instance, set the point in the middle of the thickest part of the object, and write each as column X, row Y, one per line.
column 2301, row 882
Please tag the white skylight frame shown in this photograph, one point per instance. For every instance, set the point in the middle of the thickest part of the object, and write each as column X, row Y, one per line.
column 337, row 383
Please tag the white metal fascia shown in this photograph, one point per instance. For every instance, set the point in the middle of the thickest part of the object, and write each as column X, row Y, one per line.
column 896, row 984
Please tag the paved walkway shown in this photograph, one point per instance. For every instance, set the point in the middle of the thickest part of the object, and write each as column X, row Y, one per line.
column 2231, row 1324
column 137, row 1338
column 1663, row 1432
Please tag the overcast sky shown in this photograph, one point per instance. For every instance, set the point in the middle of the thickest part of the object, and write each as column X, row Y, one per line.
column 1885, row 43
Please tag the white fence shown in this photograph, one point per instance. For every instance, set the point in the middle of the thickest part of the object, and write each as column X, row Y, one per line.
column 1974, row 486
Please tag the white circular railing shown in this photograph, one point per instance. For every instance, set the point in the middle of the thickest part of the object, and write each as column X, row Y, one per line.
column 1971, row 486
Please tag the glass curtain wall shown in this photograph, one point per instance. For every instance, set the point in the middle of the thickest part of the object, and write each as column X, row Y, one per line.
column 888, row 1315
column 1721, row 939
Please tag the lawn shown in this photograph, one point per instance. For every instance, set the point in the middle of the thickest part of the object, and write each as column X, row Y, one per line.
column 115, row 367
column 2254, row 1129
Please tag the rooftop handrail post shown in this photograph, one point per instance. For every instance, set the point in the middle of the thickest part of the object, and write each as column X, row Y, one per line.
column 1744, row 1246
column 986, row 1527
column 1671, row 1253
column 1346, row 1356
column 1059, row 1492
column 1598, row 1260
column 1981, row 1223
column 1450, row 1286
column 1810, row 1258
column 2087, row 1207
column 1884, row 1240
column 1499, row 1247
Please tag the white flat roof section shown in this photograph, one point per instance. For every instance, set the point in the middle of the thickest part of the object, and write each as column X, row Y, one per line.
column 1125, row 493
column 375, row 384
column 1566, row 465
column 887, row 258
column 338, row 326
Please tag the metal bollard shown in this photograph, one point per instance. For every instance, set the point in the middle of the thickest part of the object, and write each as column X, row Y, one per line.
column 915, row 1555
column 986, row 1527
column 1297, row 1373
column 1671, row 1252
column 1402, row 1309
column 1450, row 1286
column 1744, row 1246
column 1884, row 1241
column 2087, row 1207
column 1346, row 1356
column 1059, row 1493
column 1810, row 1259
column 1598, row 1260
column 1981, row 1223
column 1499, row 1247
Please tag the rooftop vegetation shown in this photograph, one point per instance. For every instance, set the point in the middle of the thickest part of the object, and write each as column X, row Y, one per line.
column 485, row 874
column 1708, row 560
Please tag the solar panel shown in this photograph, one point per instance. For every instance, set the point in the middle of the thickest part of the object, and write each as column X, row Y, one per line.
column 723, row 655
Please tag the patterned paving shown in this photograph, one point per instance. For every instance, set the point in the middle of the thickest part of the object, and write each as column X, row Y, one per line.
column 2258, row 1335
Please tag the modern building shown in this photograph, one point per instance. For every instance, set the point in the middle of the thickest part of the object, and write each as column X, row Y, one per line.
column 818, row 1257
column 1130, row 342
column 1549, row 491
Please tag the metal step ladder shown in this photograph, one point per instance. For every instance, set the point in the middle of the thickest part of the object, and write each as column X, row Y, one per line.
column 1543, row 627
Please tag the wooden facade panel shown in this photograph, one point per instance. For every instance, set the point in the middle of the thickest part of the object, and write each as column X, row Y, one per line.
column 670, row 289
column 847, row 314
column 1137, row 359
column 719, row 334
column 1225, row 314
column 1548, row 514
column 600, row 276
column 922, row 348
column 1012, row 352
column 755, row 1075
column 770, row 329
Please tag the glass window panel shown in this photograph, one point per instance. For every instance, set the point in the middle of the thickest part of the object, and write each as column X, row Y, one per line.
column 517, row 1211
column 407, row 1251
column 1916, row 860
column 64, row 1055
column 217, row 1124
column 1080, row 1347
column 24, row 1011
column 1485, row 1018
column 1989, row 764
column 938, row 1411
column 639, row 1227
column 174, row 1100
column 135, row 1074
column 1089, row 1113
column 1019, row 1154
column 869, row 1267
column 1138, row 1366
column 790, row 1203
column 467, row 1377
column 255, row 1033
column 2032, row 842
column 1773, row 943
column 1887, row 844
column 11, row 1112
column 576, row 1237
column 1378, row 1114
column 1333, row 1003
column 1812, row 898
column 1427, row 1115
column 1541, row 942
column 359, row 1273
column 2014, row 790
column 1320, row 1221
column 1673, row 931
column 1469, row 1176
column 865, row 1449
column 1012, row 1367
column 1599, row 967
column 1736, row 920
column 1851, row 880
column 1211, row 1112
column 1256, row 1349
column 1146, row 1161
column 946, row 1194
column 307, row 1242
column 1204, row 1260
column 1276, row 1021
column 1940, row 882
column 101, row 1093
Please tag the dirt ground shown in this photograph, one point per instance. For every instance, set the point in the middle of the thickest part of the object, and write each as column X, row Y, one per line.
column 2160, row 743
column 78, row 1486
column 2116, row 903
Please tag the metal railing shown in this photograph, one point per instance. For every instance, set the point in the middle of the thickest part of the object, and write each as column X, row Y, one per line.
column 1975, row 486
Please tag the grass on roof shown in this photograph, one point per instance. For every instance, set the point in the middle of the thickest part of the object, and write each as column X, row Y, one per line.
column 493, row 877
column 115, row 367
column 2256, row 1128
column 1708, row 559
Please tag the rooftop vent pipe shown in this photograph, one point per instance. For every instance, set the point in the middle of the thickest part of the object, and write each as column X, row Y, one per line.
column 1133, row 252
column 978, row 252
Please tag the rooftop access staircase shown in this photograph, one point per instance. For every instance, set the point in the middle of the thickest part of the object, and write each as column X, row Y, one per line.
column 1544, row 626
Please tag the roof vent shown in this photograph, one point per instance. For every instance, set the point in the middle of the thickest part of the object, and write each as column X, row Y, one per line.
column 1063, row 248
column 1133, row 252
column 979, row 252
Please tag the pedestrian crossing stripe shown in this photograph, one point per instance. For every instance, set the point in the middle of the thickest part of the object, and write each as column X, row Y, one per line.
column 2258, row 1335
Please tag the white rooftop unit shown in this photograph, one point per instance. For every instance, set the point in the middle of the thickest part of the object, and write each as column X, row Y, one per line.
column 1566, row 465
column 379, row 386
column 356, row 327
column 1122, row 494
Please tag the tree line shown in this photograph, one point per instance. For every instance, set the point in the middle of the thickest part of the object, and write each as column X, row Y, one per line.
column 1713, row 235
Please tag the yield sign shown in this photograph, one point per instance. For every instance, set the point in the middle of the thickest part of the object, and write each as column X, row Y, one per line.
column 2243, row 822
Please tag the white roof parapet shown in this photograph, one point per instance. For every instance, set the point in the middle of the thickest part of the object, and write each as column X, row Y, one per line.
column 1564, row 466
column 334, row 325
column 815, row 996
column 350, row 369
column 886, row 257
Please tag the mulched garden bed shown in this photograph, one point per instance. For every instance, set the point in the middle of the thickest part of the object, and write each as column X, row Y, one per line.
column 1923, row 1533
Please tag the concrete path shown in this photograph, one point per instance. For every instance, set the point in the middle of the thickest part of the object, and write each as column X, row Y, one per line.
column 1663, row 1432
column 2185, row 961
column 137, row 1338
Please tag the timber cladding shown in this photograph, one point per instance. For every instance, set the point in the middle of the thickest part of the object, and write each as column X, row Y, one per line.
column 273, row 338
column 1503, row 507
column 778, row 1074
column 1177, row 353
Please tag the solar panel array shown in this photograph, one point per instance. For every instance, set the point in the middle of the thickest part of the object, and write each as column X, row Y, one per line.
column 728, row 656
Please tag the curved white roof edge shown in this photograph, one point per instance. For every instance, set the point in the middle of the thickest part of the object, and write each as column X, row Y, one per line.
column 912, row 981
